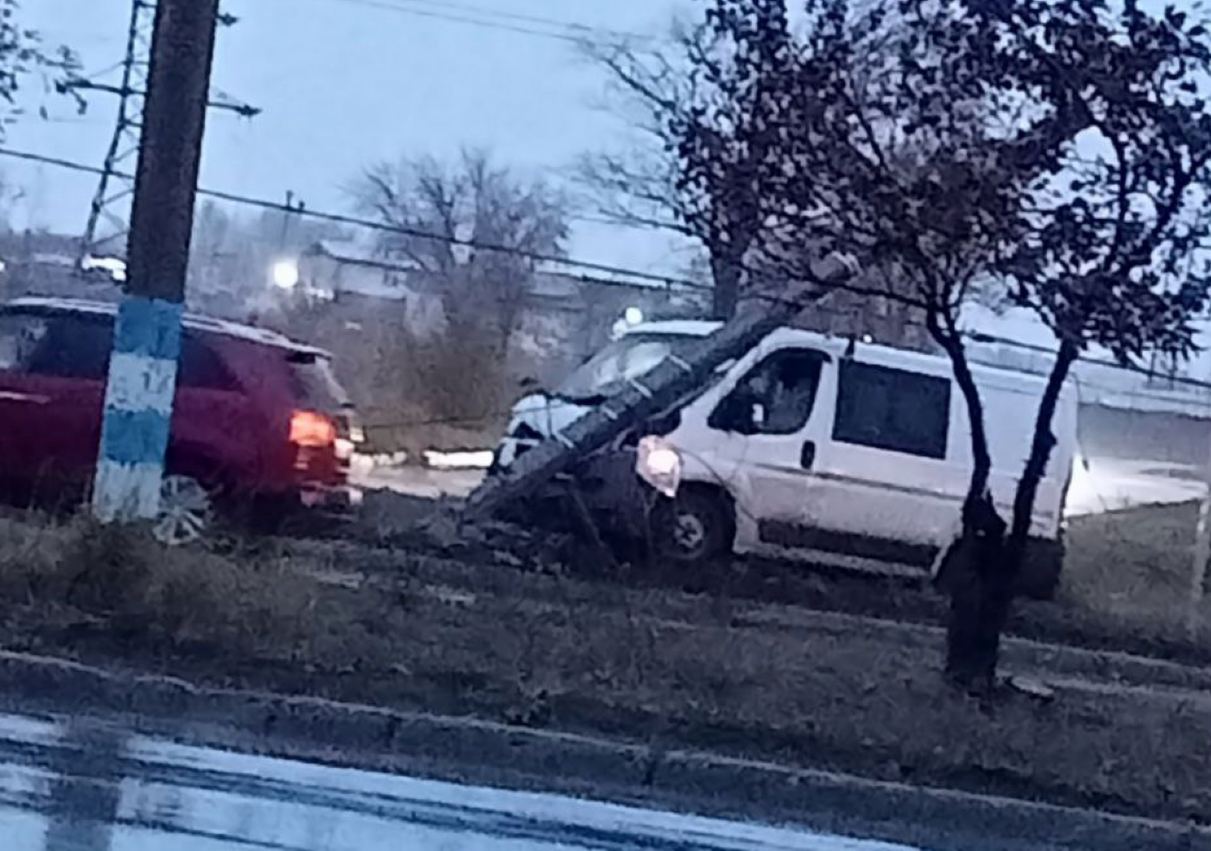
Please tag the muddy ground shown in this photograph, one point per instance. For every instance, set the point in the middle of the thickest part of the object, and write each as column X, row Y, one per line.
column 532, row 643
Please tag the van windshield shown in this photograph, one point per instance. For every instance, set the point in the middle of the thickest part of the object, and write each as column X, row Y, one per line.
column 634, row 355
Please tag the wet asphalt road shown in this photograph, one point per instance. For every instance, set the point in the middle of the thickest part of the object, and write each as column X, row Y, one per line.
column 78, row 787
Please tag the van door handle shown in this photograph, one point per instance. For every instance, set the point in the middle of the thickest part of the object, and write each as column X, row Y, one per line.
column 808, row 456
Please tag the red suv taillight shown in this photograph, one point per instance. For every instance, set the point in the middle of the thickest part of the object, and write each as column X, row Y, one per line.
column 312, row 430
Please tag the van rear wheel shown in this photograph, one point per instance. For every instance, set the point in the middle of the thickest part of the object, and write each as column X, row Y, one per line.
column 694, row 527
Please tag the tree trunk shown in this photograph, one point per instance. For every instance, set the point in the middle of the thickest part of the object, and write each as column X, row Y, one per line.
column 725, row 270
column 979, row 594
column 1041, row 445
column 986, row 562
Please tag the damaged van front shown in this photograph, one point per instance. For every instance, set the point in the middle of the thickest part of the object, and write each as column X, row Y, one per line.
column 541, row 415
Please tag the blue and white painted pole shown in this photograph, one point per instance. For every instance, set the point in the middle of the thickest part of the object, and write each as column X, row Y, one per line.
column 138, row 409
column 147, row 333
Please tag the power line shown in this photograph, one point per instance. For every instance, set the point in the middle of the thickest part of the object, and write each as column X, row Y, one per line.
column 370, row 224
column 567, row 32
column 524, row 18
column 108, row 69
column 667, row 280
column 461, row 19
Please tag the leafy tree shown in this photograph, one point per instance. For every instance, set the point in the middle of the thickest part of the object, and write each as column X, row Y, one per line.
column 465, row 207
column 1055, row 150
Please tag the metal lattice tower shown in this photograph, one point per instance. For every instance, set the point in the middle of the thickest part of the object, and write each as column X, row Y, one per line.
column 109, row 213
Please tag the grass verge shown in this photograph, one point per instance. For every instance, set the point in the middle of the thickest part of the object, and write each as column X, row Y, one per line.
column 655, row 666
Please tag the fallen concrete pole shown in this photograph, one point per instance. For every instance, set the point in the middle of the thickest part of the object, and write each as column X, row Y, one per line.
column 673, row 379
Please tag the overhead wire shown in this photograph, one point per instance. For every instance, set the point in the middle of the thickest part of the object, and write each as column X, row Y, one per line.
column 577, row 26
column 108, row 69
column 402, row 230
column 668, row 281
column 565, row 31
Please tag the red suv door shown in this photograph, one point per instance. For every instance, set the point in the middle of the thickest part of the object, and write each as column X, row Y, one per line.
column 212, row 437
column 20, row 406
column 52, row 384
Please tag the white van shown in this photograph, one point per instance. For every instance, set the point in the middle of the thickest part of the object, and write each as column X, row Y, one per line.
column 852, row 455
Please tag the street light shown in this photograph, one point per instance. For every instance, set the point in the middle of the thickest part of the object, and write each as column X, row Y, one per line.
column 285, row 274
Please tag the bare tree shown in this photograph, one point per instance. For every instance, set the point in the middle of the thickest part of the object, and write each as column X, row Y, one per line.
column 657, row 91
column 1056, row 149
column 485, row 224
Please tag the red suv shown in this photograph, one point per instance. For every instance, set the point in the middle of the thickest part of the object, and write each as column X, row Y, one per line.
column 258, row 419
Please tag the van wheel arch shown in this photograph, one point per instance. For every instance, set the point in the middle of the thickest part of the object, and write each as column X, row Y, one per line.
column 182, row 461
column 208, row 470
column 696, row 526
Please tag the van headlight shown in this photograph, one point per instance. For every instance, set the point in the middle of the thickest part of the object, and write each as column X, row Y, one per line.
column 659, row 464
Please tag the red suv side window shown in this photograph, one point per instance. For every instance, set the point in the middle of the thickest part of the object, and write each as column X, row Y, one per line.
column 73, row 347
column 20, row 337
column 68, row 346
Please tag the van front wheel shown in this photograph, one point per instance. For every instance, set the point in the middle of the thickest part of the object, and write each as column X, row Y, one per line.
column 695, row 526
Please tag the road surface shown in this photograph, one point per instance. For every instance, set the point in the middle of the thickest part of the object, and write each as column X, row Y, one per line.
column 1108, row 484
column 85, row 787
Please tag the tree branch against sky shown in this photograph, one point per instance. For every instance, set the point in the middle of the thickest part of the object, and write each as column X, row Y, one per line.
column 657, row 87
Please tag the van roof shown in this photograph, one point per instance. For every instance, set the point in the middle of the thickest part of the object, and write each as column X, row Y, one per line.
column 192, row 321
column 923, row 362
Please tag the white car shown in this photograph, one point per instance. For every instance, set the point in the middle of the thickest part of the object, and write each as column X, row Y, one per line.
column 812, row 447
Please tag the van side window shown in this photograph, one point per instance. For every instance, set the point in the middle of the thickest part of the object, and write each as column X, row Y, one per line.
column 201, row 367
column 74, row 347
column 892, row 409
column 775, row 397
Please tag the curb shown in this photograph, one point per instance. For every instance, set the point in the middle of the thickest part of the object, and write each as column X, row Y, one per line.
column 491, row 753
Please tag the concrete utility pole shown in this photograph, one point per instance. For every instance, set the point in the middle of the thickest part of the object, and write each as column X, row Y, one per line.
column 147, row 333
